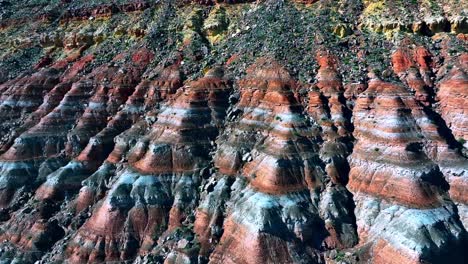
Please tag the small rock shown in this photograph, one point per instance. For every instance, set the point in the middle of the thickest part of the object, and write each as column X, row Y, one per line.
column 182, row 243
column 247, row 157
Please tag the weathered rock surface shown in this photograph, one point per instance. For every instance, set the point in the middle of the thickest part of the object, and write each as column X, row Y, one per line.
column 397, row 184
column 277, row 131
column 158, row 190
column 271, row 150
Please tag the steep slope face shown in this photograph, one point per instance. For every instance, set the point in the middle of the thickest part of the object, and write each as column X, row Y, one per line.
column 452, row 96
column 398, row 190
column 49, row 142
column 271, row 152
column 158, row 190
column 276, row 131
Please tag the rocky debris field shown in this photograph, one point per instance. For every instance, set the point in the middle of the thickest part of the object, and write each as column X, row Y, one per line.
column 232, row 131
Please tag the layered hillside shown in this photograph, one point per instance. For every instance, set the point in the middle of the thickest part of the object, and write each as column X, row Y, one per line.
column 274, row 131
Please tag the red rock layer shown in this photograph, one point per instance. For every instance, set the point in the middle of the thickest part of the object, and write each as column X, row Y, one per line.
column 106, row 101
column 326, row 100
column 46, row 139
column 145, row 100
column 21, row 96
column 89, row 140
column 270, row 144
column 158, row 189
column 327, row 107
column 66, row 180
column 50, row 101
column 21, row 163
column 453, row 98
column 25, row 93
column 242, row 138
column 383, row 113
column 391, row 170
column 31, row 229
column 55, row 132
column 413, row 68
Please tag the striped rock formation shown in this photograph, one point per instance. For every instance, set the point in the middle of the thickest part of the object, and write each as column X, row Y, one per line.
column 414, row 68
column 400, row 193
column 452, row 96
column 137, row 114
column 335, row 132
column 270, row 180
column 20, row 97
column 31, row 229
column 158, row 190
column 44, row 147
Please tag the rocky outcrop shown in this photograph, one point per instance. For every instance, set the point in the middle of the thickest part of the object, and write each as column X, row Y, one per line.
column 422, row 18
column 145, row 100
column 105, row 10
column 32, row 228
column 396, row 184
column 226, row 131
column 157, row 192
column 44, row 147
column 50, row 101
column 92, row 138
column 452, row 97
column 22, row 96
column 270, row 149
column 413, row 68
